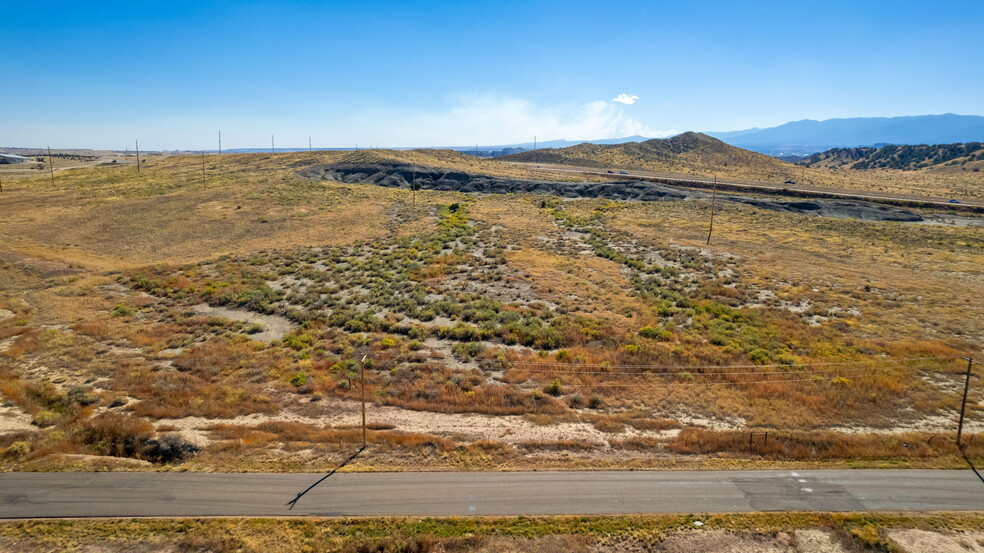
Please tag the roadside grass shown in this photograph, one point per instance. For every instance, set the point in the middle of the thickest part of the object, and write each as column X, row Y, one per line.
column 864, row 531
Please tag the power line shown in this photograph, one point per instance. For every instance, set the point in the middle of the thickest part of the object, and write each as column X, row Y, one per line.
column 691, row 367
column 705, row 374
column 814, row 380
column 832, row 371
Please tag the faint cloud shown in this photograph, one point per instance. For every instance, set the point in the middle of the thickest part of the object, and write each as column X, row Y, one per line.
column 627, row 99
column 492, row 119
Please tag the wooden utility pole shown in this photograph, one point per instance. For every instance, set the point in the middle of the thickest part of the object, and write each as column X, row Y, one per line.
column 51, row 166
column 203, row 169
column 362, row 377
column 137, row 144
column 963, row 404
column 710, row 229
column 1, row 184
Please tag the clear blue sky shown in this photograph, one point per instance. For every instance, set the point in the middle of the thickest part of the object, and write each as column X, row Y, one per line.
column 99, row 74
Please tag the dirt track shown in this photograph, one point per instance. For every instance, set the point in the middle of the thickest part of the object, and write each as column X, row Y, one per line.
column 400, row 176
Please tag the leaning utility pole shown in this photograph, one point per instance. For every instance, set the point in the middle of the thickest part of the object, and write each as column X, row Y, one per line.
column 963, row 404
column 713, row 205
column 137, row 144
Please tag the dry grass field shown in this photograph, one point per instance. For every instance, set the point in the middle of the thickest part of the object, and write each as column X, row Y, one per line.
column 149, row 321
column 746, row 533
column 692, row 155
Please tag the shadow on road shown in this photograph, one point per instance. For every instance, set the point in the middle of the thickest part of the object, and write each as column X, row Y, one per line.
column 971, row 464
column 294, row 501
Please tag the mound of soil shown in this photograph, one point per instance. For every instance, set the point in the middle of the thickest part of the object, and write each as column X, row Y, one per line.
column 400, row 176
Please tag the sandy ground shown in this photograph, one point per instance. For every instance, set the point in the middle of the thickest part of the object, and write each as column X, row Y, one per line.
column 685, row 541
column 813, row 541
column 274, row 327
column 914, row 541
column 13, row 419
column 513, row 429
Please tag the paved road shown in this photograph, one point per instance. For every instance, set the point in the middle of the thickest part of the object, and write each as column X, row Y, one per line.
column 484, row 493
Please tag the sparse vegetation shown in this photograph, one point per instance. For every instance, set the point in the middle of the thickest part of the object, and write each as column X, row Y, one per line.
column 761, row 531
column 563, row 329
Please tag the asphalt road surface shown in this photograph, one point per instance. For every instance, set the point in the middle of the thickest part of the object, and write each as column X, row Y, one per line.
column 134, row 494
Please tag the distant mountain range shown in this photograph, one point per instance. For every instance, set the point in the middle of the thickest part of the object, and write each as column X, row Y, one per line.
column 808, row 136
column 790, row 141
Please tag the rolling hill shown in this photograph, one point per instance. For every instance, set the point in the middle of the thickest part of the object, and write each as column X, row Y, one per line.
column 686, row 153
column 936, row 157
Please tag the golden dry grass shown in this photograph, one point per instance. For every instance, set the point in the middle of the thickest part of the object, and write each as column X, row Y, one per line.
column 860, row 531
column 867, row 291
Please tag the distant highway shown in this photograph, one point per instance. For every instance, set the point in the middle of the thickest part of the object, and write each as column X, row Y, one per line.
column 178, row 494
column 757, row 187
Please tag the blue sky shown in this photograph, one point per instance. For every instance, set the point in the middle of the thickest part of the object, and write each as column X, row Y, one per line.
column 99, row 74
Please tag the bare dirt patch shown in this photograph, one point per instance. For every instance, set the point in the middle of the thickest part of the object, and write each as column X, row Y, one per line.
column 14, row 419
column 275, row 327
column 913, row 541
column 727, row 542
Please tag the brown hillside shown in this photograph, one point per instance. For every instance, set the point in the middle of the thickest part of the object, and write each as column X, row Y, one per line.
column 690, row 152
column 961, row 157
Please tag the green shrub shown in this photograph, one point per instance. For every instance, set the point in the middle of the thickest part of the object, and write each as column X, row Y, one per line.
column 759, row 355
column 123, row 311
column 467, row 350
column 298, row 341
column 16, row 450
column 82, row 396
column 44, row 419
column 554, row 388
column 655, row 333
